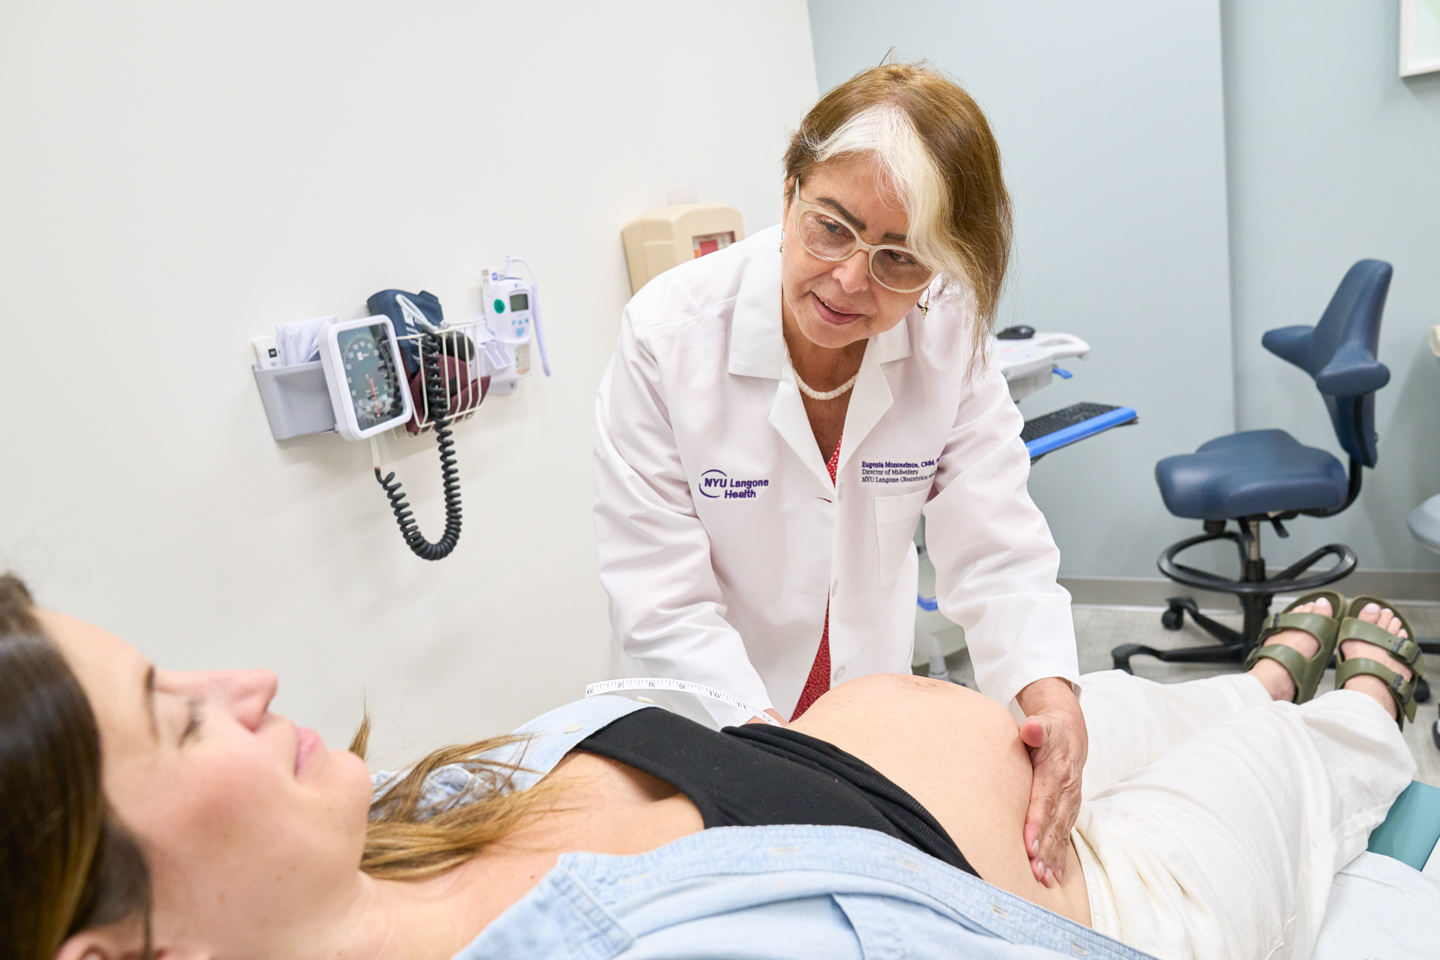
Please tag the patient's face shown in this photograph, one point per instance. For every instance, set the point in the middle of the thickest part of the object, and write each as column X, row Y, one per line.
column 249, row 823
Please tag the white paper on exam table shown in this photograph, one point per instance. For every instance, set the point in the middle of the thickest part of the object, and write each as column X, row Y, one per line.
column 1381, row 908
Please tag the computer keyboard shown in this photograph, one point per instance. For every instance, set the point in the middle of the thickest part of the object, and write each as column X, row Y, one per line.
column 1064, row 427
column 1060, row 419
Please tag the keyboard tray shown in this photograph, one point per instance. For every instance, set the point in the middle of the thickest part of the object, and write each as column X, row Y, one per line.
column 1051, row 431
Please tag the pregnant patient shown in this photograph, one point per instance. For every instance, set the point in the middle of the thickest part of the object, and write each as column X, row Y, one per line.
column 172, row 811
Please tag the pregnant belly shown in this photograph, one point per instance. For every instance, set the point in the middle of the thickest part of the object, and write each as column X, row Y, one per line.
column 959, row 753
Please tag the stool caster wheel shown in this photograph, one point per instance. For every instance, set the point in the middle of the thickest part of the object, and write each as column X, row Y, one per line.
column 1422, row 690
column 1174, row 617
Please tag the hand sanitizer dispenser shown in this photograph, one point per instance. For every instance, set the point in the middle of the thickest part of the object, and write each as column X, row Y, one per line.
column 669, row 236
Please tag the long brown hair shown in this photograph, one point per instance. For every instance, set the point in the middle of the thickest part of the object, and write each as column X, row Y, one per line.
column 66, row 864
column 410, row 837
column 972, row 225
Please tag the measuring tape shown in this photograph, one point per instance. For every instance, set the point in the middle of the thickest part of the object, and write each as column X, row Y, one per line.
column 684, row 686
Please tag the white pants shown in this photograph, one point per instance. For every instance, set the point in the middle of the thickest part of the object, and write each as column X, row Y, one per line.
column 1214, row 820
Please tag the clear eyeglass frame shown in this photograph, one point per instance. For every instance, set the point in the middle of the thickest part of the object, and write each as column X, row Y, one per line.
column 804, row 206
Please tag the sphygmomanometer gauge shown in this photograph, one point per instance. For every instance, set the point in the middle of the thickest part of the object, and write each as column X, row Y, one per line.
column 362, row 370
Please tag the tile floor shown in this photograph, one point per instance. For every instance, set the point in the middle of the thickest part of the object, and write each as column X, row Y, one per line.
column 1099, row 628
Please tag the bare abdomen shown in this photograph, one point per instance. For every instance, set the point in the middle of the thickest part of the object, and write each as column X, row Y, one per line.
column 960, row 755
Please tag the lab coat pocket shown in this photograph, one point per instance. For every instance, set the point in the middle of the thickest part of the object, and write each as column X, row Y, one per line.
column 895, row 521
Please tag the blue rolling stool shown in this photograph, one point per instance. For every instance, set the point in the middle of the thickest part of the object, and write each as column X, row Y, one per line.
column 1267, row 476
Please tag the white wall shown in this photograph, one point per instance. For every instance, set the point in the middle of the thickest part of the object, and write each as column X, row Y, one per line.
column 176, row 178
column 1333, row 158
column 1110, row 121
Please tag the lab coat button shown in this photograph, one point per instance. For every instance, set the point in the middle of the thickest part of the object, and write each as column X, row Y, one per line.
column 839, row 674
column 575, row 728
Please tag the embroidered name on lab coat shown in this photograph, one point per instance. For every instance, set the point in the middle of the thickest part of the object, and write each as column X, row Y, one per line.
column 716, row 485
column 896, row 471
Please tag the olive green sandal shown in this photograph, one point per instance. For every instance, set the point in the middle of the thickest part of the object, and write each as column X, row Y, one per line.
column 1305, row 671
column 1406, row 650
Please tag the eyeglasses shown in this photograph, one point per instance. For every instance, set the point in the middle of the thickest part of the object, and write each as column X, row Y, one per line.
column 827, row 238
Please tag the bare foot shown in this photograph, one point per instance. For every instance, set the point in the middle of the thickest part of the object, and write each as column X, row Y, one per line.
column 1385, row 619
column 1277, row 680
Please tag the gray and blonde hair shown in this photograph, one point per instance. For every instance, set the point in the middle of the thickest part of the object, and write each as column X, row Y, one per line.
column 939, row 157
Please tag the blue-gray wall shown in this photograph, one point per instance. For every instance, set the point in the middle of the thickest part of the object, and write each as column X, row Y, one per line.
column 1110, row 116
column 1333, row 157
column 1188, row 175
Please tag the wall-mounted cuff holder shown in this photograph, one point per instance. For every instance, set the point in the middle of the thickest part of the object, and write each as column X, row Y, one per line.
column 296, row 399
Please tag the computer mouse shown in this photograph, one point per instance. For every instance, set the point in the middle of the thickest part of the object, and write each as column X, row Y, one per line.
column 1016, row 333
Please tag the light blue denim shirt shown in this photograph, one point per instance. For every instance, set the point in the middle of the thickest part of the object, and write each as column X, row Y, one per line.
column 753, row 892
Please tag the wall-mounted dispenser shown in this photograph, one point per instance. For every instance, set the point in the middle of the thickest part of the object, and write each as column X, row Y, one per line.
column 669, row 236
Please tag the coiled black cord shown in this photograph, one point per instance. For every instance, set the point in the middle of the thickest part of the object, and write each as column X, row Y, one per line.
column 436, row 402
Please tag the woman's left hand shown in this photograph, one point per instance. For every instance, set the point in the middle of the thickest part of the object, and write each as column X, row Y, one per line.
column 1054, row 733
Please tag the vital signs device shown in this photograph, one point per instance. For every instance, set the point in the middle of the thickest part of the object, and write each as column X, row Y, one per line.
column 362, row 364
column 512, row 314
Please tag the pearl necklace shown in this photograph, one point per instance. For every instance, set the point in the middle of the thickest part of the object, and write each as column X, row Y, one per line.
column 814, row 394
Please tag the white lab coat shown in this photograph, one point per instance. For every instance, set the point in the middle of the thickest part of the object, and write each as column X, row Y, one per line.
column 720, row 535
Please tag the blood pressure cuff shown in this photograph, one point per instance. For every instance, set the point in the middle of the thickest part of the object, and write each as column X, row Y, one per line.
column 459, row 360
column 405, row 311
column 459, row 363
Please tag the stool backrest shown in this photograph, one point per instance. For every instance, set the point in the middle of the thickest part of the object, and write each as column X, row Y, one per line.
column 1339, row 352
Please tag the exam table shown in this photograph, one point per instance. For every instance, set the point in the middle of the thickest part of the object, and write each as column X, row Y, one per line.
column 1386, row 902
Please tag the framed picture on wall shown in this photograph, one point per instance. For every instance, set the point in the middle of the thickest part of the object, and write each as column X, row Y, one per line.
column 1419, row 37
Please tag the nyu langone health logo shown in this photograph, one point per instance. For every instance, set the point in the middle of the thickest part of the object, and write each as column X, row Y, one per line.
column 715, row 485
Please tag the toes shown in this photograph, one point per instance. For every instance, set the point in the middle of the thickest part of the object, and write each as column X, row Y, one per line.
column 1384, row 618
column 1321, row 606
column 1390, row 621
column 1387, row 620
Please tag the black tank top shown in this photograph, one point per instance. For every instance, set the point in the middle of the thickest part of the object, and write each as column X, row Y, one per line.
column 760, row 775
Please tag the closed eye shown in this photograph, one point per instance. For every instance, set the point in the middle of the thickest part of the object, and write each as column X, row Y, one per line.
column 192, row 723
